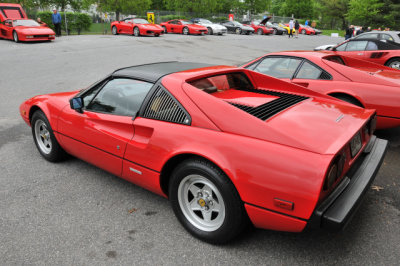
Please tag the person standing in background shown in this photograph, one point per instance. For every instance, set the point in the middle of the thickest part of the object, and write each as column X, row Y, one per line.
column 306, row 23
column 297, row 27
column 291, row 25
column 56, row 19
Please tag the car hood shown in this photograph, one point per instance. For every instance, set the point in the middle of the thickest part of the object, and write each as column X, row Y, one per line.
column 214, row 26
column 34, row 30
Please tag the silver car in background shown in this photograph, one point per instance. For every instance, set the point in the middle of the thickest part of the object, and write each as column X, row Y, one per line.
column 213, row 29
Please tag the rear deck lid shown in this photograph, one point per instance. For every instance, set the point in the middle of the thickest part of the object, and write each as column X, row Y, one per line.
column 11, row 11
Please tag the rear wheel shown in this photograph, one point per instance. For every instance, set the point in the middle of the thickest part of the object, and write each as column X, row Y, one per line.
column 260, row 32
column 210, row 31
column 303, row 32
column 114, row 30
column 238, row 31
column 136, row 32
column 393, row 63
column 185, row 31
column 15, row 36
column 44, row 138
column 205, row 202
column 275, row 32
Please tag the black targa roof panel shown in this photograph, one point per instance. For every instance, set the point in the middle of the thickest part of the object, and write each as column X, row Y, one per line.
column 155, row 71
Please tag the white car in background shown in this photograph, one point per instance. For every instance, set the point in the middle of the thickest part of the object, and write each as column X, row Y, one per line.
column 212, row 28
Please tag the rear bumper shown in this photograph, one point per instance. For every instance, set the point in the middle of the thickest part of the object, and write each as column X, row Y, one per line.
column 336, row 211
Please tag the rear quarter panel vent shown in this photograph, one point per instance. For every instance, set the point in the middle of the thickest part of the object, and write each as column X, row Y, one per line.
column 164, row 107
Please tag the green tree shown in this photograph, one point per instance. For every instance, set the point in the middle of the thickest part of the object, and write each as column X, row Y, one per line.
column 298, row 8
column 334, row 10
column 364, row 12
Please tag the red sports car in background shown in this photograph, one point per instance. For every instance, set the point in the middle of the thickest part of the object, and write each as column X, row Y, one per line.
column 355, row 81
column 16, row 26
column 136, row 26
column 259, row 26
column 224, row 144
column 383, row 52
column 307, row 30
column 184, row 27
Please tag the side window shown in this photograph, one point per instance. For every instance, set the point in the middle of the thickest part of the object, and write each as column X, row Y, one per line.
column 371, row 46
column 172, row 22
column 341, row 47
column 309, row 71
column 279, row 67
column 387, row 37
column 120, row 97
column 356, row 46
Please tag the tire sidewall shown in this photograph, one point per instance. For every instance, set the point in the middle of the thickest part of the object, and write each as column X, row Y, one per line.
column 56, row 153
column 136, row 31
column 15, row 36
column 234, row 209
column 114, row 30
column 185, row 31
column 260, row 32
column 210, row 31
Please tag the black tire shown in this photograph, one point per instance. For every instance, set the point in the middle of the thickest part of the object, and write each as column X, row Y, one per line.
column 234, row 219
column 349, row 99
column 260, row 32
column 210, row 31
column 15, row 36
column 185, row 31
column 136, row 32
column 275, row 32
column 303, row 32
column 55, row 153
column 165, row 29
column 393, row 63
column 238, row 31
column 114, row 30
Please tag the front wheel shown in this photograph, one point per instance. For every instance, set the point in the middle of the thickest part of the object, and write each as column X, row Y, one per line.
column 238, row 31
column 260, row 32
column 114, row 30
column 15, row 36
column 275, row 32
column 205, row 202
column 393, row 63
column 44, row 138
column 185, row 31
column 303, row 32
column 136, row 32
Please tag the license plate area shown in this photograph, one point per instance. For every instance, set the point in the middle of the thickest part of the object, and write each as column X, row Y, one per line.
column 355, row 144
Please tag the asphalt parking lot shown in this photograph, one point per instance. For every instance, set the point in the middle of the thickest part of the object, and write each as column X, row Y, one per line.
column 72, row 213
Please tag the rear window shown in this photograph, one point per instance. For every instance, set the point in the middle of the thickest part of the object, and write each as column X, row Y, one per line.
column 223, row 82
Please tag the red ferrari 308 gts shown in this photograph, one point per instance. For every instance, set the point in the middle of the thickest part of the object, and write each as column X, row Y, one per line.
column 184, row 27
column 14, row 25
column 259, row 26
column 359, row 82
column 136, row 26
column 224, row 144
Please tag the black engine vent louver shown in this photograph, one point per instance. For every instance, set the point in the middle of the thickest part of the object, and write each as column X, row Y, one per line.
column 271, row 108
column 162, row 106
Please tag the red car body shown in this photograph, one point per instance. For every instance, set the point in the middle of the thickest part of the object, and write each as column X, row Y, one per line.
column 183, row 27
column 279, row 159
column 360, row 82
column 385, row 53
column 304, row 30
column 137, row 27
column 259, row 28
column 16, row 26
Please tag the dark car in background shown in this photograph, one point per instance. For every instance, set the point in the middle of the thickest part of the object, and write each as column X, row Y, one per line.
column 237, row 27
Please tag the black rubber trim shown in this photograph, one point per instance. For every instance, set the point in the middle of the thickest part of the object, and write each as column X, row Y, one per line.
column 335, row 212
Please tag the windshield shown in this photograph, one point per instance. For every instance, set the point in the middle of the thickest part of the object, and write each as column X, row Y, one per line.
column 186, row 22
column 25, row 22
column 205, row 21
column 140, row 21
column 236, row 23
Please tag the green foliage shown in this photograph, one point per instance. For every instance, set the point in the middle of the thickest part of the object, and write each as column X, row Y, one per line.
column 364, row 12
column 171, row 17
column 76, row 21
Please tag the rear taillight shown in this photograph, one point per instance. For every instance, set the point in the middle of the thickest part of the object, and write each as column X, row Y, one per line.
column 335, row 171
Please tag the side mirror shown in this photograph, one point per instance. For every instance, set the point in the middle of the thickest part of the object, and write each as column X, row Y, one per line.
column 76, row 104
